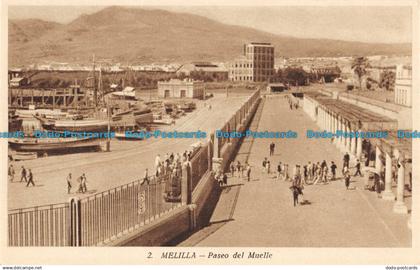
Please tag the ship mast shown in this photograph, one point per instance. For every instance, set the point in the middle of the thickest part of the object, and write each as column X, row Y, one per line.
column 95, row 91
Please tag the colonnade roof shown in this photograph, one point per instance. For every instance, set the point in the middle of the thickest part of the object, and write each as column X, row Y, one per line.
column 392, row 142
column 363, row 119
column 353, row 114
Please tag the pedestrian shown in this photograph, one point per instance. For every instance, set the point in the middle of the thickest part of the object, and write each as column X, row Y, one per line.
column 239, row 168
column 279, row 170
column 272, row 146
column 23, row 175
column 248, row 172
column 146, row 178
column 268, row 165
column 347, row 177
column 264, row 163
column 296, row 185
column 11, row 173
column 358, row 172
column 325, row 174
column 310, row 171
column 225, row 178
column 157, row 164
column 286, row 172
column 377, row 184
column 30, row 178
column 232, row 169
column 366, row 159
column 333, row 170
column 83, row 183
column 346, row 160
column 323, row 164
column 219, row 178
column 68, row 183
column 305, row 173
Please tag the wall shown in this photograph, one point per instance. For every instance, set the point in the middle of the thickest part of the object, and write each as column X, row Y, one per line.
column 160, row 232
column 393, row 111
column 183, row 221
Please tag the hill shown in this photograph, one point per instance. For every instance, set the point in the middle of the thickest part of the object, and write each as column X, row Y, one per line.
column 135, row 35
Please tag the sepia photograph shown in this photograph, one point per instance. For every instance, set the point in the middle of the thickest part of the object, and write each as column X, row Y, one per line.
column 180, row 125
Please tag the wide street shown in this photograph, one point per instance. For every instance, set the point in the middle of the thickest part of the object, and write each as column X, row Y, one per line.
column 261, row 212
column 125, row 163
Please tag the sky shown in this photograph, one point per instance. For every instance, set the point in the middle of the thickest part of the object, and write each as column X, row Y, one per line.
column 357, row 23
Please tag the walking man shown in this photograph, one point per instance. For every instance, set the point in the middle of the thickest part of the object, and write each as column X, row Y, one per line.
column 232, row 169
column 69, row 183
column 239, row 168
column 83, row 183
column 333, row 170
column 225, row 178
column 11, row 173
column 268, row 166
column 272, row 147
column 279, row 170
column 347, row 177
column 248, row 172
column 23, row 175
column 30, row 178
column 346, row 160
column 157, row 164
column 146, row 177
column 358, row 172
column 264, row 164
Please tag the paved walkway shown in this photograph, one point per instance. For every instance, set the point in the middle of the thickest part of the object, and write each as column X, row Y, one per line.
column 261, row 212
column 125, row 163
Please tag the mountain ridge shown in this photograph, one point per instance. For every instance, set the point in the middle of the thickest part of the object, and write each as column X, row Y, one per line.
column 137, row 35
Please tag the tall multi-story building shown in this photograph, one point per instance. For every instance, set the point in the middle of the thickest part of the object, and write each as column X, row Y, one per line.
column 403, row 85
column 256, row 64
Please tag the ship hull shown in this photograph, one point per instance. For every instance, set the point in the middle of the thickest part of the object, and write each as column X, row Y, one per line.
column 42, row 145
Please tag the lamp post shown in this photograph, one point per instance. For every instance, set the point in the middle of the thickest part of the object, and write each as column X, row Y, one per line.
column 108, row 140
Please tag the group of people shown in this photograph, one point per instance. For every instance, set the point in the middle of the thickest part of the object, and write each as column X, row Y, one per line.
column 25, row 175
column 171, row 163
column 293, row 103
column 82, row 183
column 240, row 170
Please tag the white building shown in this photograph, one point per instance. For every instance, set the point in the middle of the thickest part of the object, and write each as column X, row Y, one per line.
column 175, row 88
column 403, row 91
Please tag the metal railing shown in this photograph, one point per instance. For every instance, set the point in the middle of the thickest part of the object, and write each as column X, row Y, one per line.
column 107, row 215
column 39, row 226
column 200, row 165
column 92, row 220
column 100, row 218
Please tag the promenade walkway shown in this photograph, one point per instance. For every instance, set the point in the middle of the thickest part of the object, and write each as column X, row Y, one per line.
column 261, row 212
column 125, row 163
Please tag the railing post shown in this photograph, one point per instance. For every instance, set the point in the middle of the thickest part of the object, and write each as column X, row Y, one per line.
column 75, row 231
column 186, row 184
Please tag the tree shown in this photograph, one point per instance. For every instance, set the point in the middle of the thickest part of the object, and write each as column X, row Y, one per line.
column 387, row 80
column 359, row 66
column 295, row 76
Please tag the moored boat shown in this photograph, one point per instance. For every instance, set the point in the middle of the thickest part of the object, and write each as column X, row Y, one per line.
column 52, row 144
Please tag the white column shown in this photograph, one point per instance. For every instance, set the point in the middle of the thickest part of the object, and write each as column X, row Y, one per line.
column 378, row 162
column 399, row 206
column 353, row 145
column 337, row 127
column 359, row 147
column 342, row 139
column 330, row 121
column 388, row 194
column 348, row 149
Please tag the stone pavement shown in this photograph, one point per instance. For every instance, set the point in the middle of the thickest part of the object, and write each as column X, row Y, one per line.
column 261, row 212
